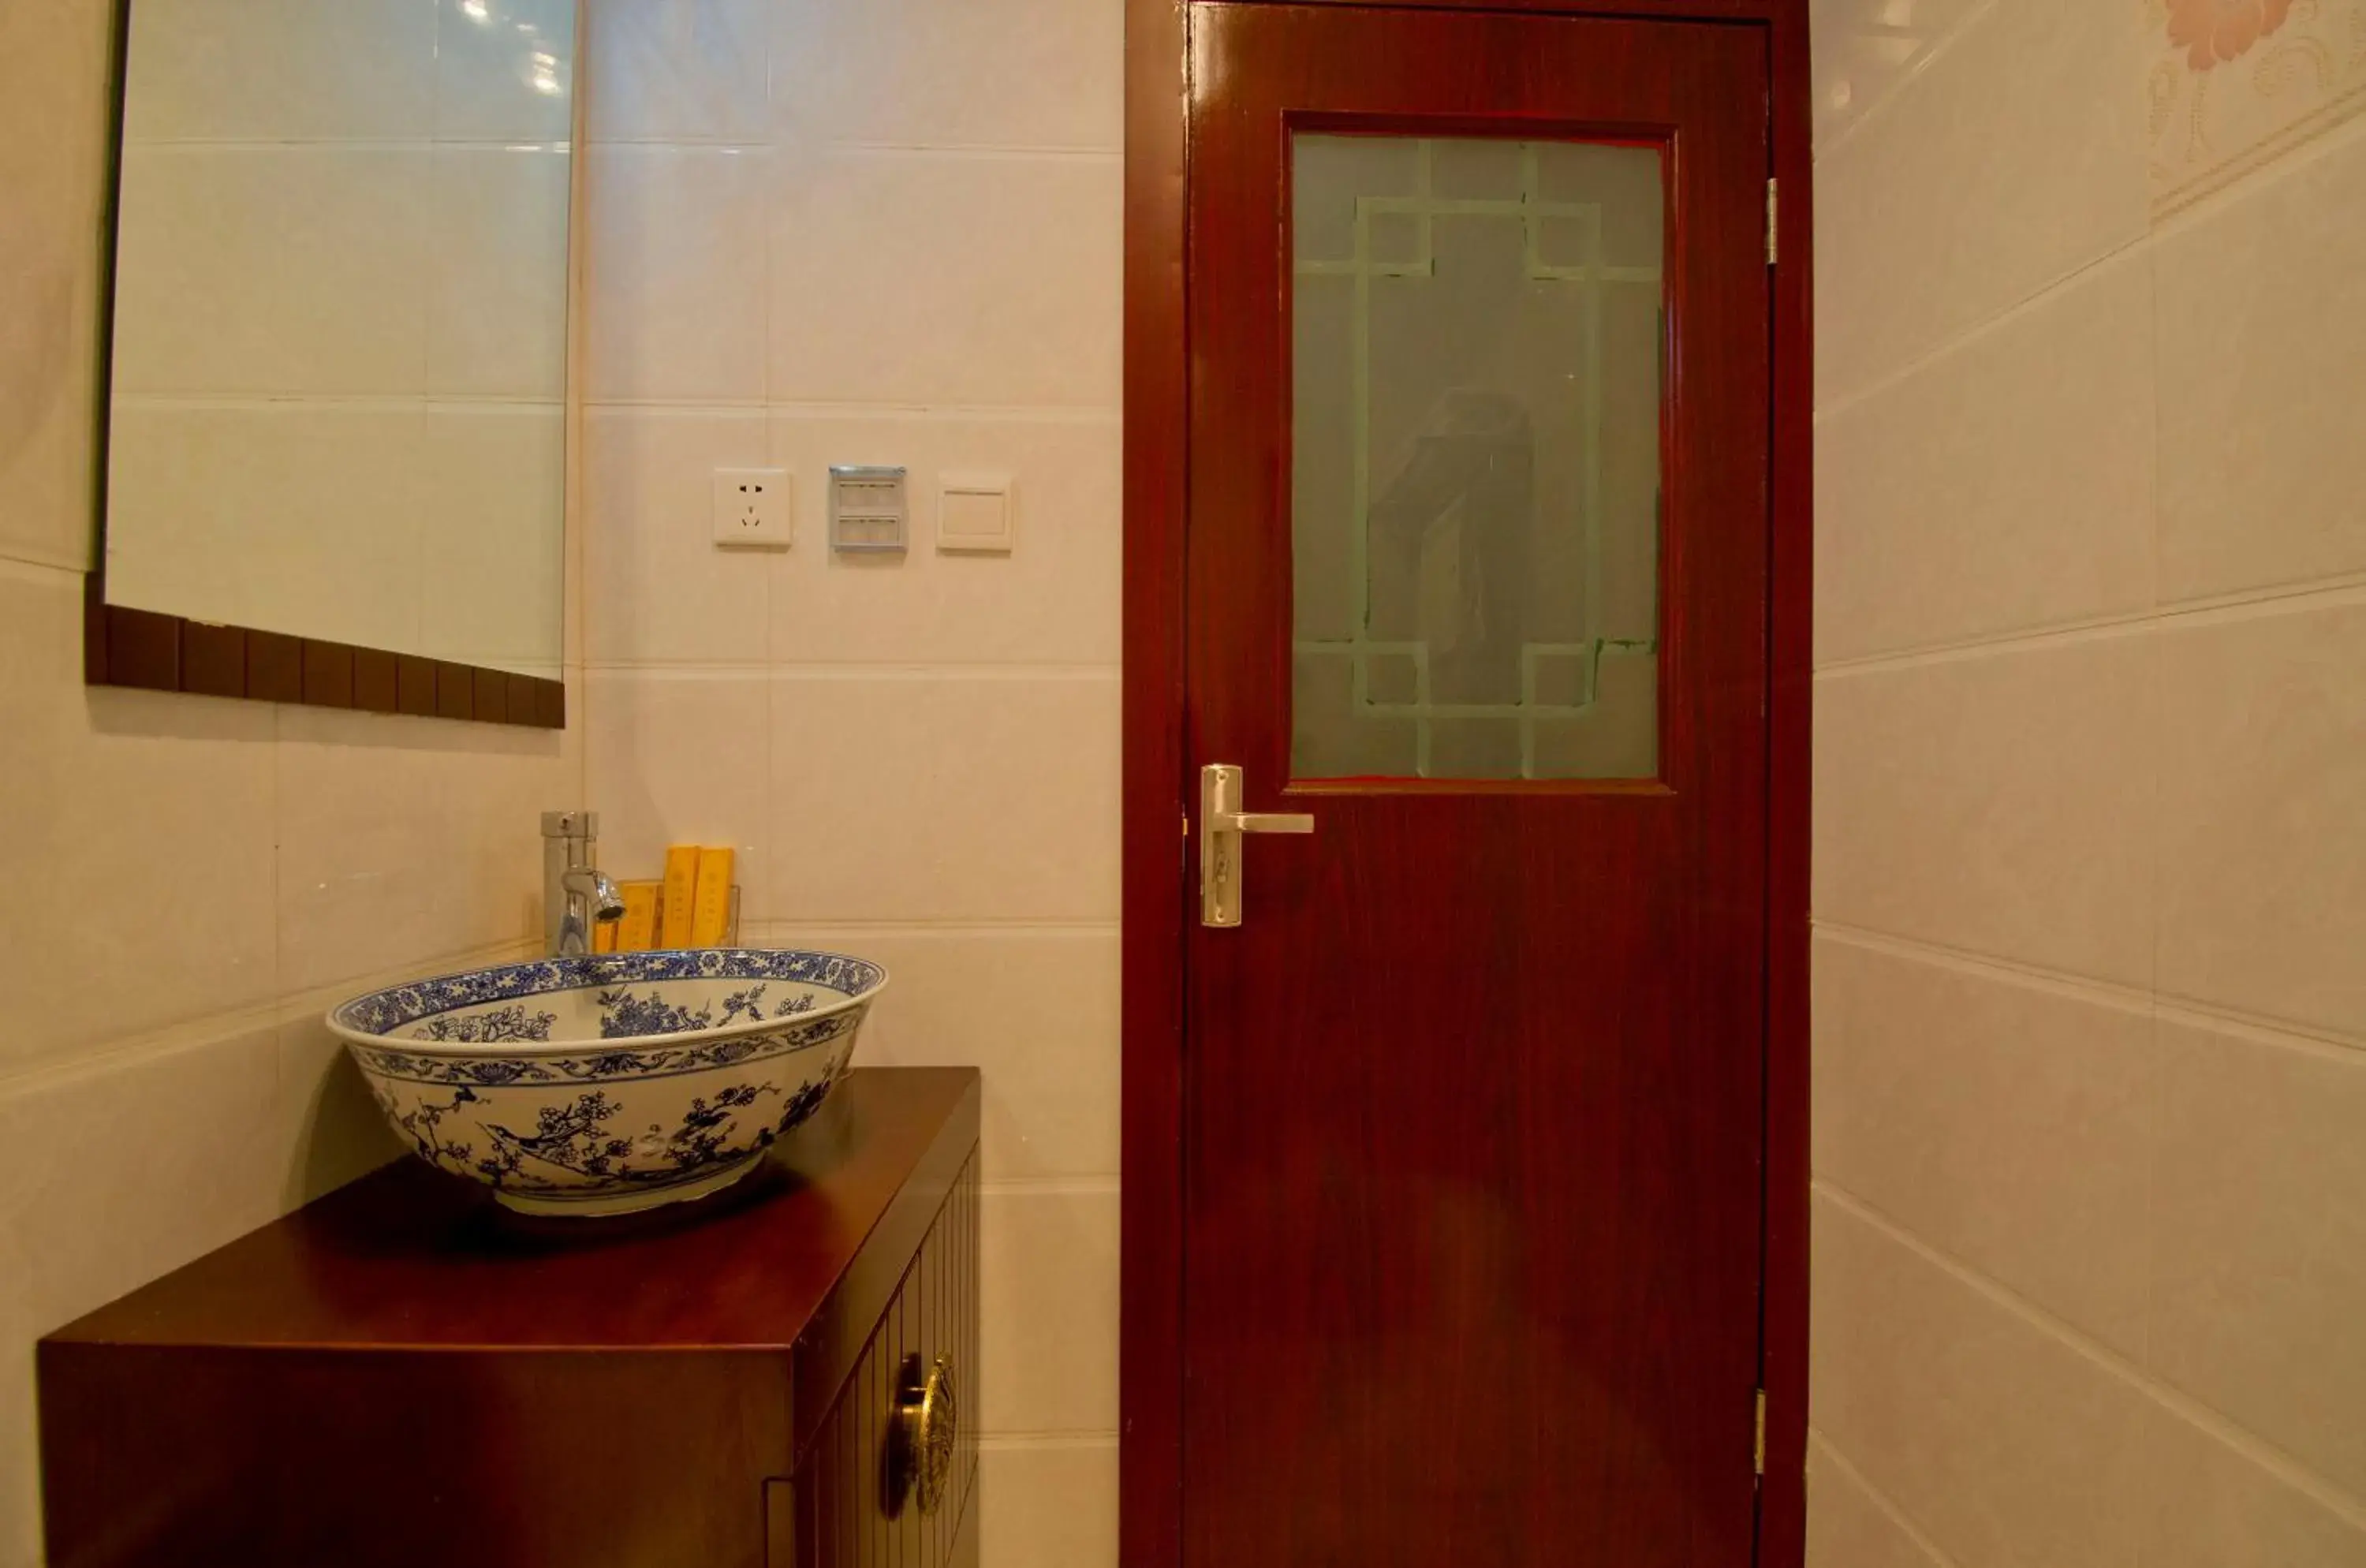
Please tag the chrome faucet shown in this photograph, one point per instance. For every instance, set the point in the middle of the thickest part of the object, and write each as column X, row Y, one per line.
column 575, row 892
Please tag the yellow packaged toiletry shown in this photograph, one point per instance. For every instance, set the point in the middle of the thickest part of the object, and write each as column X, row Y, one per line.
column 674, row 916
column 710, row 912
column 637, row 931
column 604, row 935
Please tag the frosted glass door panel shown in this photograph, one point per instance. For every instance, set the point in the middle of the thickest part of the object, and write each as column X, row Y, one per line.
column 1476, row 433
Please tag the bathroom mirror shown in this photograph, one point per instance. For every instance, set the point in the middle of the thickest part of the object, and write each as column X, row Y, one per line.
column 336, row 389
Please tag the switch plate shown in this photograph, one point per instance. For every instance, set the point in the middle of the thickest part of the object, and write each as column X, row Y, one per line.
column 868, row 510
column 976, row 513
column 753, row 509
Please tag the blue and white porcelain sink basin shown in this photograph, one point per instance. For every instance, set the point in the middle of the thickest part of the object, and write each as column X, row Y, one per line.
column 613, row 1082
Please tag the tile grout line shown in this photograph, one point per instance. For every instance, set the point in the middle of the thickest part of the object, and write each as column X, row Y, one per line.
column 1880, row 107
column 2341, row 591
column 2213, row 1423
column 1818, row 1442
column 2158, row 233
column 787, row 670
column 2291, row 1034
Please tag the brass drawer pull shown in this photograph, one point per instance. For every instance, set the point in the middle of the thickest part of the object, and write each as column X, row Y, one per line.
column 920, row 1434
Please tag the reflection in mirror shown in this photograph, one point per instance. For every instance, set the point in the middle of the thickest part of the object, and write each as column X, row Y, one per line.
column 340, row 325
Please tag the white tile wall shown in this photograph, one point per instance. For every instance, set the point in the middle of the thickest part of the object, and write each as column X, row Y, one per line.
column 2090, row 1028
column 855, row 231
column 192, row 881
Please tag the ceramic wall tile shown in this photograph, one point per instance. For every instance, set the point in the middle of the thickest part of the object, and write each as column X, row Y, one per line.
column 1865, row 49
column 56, row 132
column 187, row 1138
column 408, row 839
column 330, row 1130
column 493, row 566
column 2213, row 1508
column 1847, row 1527
column 2016, row 159
column 2002, row 1442
column 496, row 319
column 2002, row 803
column 186, row 479
column 975, row 997
column 2262, row 376
column 1048, row 1505
column 2005, row 486
column 1051, row 600
column 504, row 70
column 1048, row 1311
column 2009, row 1124
column 282, row 70
column 145, row 838
column 312, row 262
column 1035, row 73
column 678, row 71
column 920, row 279
column 2260, row 1245
column 2233, row 85
column 968, row 799
column 659, row 592
column 2262, row 847
column 674, row 269
column 682, row 761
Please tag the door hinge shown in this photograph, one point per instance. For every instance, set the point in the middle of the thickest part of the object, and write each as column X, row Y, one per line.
column 1758, row 1446
column 1773, row 223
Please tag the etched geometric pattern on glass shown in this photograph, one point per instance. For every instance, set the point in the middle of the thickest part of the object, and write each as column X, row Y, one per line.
column 1477, row 334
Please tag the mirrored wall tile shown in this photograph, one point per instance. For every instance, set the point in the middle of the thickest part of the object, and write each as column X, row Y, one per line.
column 1032, row 73
column 491, row 525
column 1051, row 600
column 310, row 262
column 2016, row 158
column 281, row 70
column 675, row 274
column 658, row 588
column 496, row 295
column 678, row 69
column 968, row 798
column 2262, row 846
column 681, row 759
column 504, row 70
column 198, row 491
column 927, row 279
column 2262, row 330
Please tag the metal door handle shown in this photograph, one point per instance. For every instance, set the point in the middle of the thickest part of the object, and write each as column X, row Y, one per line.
column 1222, row 823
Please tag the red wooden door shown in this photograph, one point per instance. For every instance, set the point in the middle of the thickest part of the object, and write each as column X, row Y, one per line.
column 1477, row 578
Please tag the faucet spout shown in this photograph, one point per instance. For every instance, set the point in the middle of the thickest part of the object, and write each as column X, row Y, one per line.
column 575, row 894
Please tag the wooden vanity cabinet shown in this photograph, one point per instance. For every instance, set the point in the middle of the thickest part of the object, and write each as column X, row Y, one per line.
column 403, row 1373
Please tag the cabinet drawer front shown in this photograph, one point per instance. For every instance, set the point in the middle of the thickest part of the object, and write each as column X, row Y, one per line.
column 858, row 1503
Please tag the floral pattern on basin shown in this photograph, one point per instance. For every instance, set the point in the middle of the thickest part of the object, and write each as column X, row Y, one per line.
column 609, row 1082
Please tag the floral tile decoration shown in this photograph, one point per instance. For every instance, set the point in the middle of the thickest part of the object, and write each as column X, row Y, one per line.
column 2234, row 84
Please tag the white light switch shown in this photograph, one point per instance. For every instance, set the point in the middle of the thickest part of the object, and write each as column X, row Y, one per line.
column 976, row 512
column 753, row 509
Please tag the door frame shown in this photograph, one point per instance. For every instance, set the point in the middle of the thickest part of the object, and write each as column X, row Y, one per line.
column 1156, row 892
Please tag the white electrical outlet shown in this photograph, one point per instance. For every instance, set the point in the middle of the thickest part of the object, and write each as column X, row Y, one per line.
column 752, row 508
